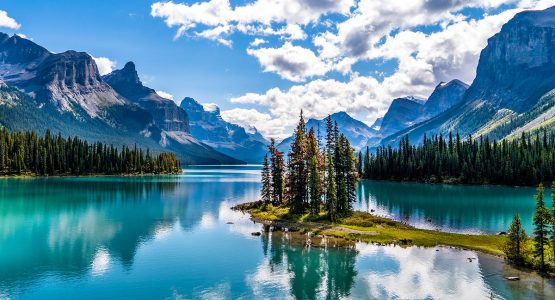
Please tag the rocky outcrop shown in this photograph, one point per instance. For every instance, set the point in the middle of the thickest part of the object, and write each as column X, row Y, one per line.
column 166, row 114
column 517, row 66
column 444, row 96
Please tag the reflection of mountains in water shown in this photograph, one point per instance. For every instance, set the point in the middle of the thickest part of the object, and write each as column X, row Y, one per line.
column 60, row 224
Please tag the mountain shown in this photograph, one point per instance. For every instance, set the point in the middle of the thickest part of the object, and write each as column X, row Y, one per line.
column 358, row 133
column 207, row 125
column 402, row 113
column 406, row 112
column 166, row 114
column 64, row 92
column 444, row 96
column 513, row 85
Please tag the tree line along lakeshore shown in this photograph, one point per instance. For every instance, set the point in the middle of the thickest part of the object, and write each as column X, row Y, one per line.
column 27, row 153
column 526, row 161
column 320, row 180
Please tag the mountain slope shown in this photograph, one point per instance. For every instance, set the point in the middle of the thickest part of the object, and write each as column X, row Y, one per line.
column 166, row 114
column 207, row 125
column 514, row 72
column 65, row 92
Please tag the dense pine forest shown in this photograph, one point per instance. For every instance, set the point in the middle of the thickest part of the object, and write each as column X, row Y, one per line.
column 27, row 153
column 528, row 160
column 315, row 177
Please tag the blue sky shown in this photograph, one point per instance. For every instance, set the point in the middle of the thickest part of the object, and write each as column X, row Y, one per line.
column 320, row 55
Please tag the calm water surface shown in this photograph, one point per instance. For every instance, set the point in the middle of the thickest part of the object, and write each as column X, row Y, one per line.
column 168, row 237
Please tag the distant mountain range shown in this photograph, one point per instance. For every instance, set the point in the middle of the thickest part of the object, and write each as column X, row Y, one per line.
column 513, row 92
column 64, row 92
column 358, row 133
column 208, row 126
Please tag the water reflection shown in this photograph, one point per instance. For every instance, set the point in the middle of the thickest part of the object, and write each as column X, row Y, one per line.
column 176, row 237
column 468, row 209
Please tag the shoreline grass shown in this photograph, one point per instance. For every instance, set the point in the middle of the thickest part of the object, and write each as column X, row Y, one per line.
column 365, row 227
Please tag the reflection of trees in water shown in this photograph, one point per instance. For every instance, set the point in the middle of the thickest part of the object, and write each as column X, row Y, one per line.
column 59, row 224
column 314, row 272
column 484, row 207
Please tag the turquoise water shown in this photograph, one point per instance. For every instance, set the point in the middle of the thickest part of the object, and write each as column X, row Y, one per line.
column 168, row 237
column 454, row 208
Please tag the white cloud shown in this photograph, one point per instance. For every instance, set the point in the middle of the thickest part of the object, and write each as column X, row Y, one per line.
column 249, row 118
column 290, row 62
column 165, row 95
column 253, row 17
column 6, row 21
column 257, row 42
column 368, row 30
column 104, row 65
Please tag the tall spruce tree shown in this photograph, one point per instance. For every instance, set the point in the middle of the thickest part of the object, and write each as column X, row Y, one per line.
column 516, row 241
column 297, row 179
column 331, row 189
column 541, row 226
column 277, row 173
column 266, row 190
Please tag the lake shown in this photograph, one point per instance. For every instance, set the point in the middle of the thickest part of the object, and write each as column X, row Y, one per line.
column 175, row 237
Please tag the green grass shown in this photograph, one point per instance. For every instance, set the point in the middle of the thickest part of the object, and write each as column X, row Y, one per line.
column 362, row 226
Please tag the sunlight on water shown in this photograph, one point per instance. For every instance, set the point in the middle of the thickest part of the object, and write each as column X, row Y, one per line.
column 176, row 237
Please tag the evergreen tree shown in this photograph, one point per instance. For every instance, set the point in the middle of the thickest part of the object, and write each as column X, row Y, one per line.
column 331, row 191
column 28, row 153
column 266, row 190
column 297, row 179
column 277, row 173
column 541, row 227
column 314, row 186
column 516, row 241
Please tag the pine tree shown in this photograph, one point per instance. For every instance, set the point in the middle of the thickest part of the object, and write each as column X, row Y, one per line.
column 297, row 179
column 331, row 191
column 314, row 186
column 541, row 227
column 266, row 190
column 277, row 172
column 516, row 241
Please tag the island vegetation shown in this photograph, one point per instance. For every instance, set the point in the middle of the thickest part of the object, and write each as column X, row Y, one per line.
column 315, row 189
column 527, row 161
column 316, row 178
column 28, row 154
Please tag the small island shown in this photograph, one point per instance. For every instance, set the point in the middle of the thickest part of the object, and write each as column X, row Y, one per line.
column 315, row 191
column 28, row 154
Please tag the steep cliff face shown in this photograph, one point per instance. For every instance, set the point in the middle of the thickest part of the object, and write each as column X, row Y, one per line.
column 517, row 67
column 207, row 125
column 515, row 71
column 166, row 114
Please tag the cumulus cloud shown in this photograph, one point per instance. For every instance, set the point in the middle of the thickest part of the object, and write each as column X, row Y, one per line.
column 104, row 65
column 251, row 118
column 290, row 62
column 253, row 17
column 428, row 41
column 165, row 95
column 7, row 21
